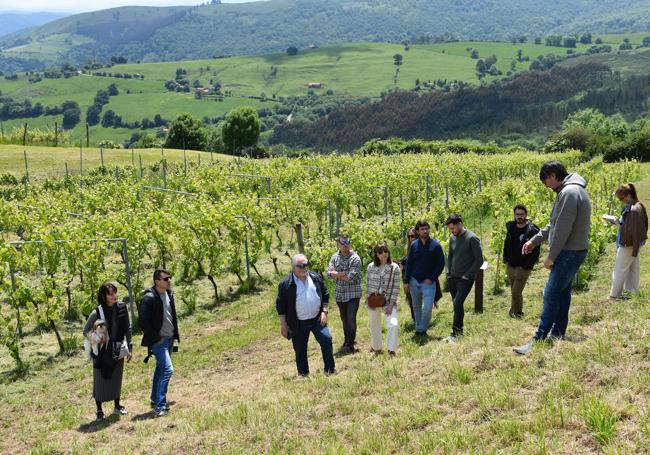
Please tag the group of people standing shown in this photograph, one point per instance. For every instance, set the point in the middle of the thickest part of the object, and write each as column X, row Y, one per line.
column 302, row 301
column 303, row 298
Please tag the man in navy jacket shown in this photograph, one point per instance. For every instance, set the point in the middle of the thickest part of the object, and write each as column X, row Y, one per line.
column 424, row 265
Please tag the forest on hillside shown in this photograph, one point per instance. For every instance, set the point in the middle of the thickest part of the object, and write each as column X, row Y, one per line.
column 532, row 101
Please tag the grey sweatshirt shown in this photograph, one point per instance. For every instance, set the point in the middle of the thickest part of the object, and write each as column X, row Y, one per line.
column 570, row 222
column 465, row 255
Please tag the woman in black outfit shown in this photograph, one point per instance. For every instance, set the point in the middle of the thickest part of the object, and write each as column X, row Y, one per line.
column 412, row 235
column 108, row 371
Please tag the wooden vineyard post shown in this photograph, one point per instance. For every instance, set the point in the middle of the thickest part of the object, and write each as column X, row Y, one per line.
column 299, row 239
column 478, row 291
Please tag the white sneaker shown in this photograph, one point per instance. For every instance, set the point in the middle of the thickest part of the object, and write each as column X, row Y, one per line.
column 451, row 339
column 526, row 348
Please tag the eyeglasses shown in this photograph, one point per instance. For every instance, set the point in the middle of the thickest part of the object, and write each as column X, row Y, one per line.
column 382, row 252
column 167, row 278
column 303, row 266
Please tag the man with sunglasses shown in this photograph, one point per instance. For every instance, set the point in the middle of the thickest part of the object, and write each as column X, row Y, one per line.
column 157, row 316
column 302, row 303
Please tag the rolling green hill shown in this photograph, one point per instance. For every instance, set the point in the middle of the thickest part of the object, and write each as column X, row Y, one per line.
column 178, row 33
column 350, row 71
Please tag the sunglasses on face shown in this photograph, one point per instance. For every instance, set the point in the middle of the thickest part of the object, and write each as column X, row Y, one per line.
column 382, row 252
column 167, row 278
column 303, row 266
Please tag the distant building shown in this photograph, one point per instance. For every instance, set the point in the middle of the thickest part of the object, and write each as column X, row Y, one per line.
column 315, row 85
column 312, row 46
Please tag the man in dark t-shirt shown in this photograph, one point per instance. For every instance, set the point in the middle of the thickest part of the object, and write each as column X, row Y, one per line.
column 519, row 266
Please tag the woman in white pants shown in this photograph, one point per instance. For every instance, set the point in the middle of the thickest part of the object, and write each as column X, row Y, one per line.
column 632, row 235
column 383, row 278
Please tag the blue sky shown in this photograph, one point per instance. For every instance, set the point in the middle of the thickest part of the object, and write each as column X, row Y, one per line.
column 75, row 6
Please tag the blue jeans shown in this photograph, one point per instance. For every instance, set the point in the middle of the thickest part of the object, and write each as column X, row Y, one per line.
column 557, row 294
column 300, row 337
column 423, row 296
column 163, row 372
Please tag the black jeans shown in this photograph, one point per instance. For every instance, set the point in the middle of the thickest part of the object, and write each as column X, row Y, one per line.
column 459, row 289
column 348, row 311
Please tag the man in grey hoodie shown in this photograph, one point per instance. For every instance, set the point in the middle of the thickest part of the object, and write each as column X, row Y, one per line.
column 568, row 237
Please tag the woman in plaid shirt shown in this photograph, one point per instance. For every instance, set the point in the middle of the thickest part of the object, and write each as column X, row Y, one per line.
column 383, row 277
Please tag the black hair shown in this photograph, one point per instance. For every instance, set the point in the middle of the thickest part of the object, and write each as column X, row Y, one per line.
column 520, row 207
column 104, row 290
column 420, row 224
column 553, row 168
column 158, row 272
column 454, row 219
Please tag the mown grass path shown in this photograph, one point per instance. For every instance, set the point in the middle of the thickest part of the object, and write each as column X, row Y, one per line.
column 235, row 390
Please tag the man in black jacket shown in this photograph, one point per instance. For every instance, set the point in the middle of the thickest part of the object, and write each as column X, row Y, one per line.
column 157, row 316
column 302, row 303
column 519, row 266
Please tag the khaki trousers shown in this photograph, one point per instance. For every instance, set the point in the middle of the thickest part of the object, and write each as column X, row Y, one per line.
column 517, row 276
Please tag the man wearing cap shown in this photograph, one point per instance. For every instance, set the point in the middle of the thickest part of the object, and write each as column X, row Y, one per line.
column 345, row 270
column 302, row 306
column 463, row 262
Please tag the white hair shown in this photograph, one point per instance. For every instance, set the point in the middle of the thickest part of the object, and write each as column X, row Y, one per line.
column 296, row 257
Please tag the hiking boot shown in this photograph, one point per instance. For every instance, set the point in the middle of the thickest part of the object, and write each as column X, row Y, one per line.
column 344, row 349
column 392, row 353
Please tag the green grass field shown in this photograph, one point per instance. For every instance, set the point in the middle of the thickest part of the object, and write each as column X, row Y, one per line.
column 49, row 162
column 235, row 390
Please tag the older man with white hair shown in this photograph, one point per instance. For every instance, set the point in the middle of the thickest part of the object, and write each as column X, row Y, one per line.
column 302, row 303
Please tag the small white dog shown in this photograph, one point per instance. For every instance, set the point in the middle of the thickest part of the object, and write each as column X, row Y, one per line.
column 96, row 338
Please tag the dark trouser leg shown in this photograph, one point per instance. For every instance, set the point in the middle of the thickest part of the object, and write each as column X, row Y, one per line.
column 348, row 311
column 299, row 338
column 461, row 291
column 324, row 338
column 410, row 302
